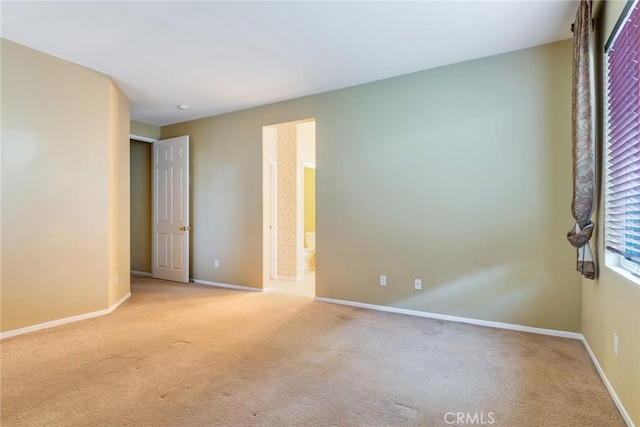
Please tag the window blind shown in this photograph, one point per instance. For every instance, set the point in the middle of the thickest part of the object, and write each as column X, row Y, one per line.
column 622, row 201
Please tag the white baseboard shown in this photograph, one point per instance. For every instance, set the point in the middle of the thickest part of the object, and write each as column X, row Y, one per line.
column 491, row 324
column 225, row 285
column 498, row 325
column 488, row 323
column 118, row 303
column 140, row 273
column 605, row 380
column 58, row 322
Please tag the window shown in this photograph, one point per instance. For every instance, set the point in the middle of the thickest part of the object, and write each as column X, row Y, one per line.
column 622, row 197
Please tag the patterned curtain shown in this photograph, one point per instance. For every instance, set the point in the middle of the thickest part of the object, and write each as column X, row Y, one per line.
column 583, row 141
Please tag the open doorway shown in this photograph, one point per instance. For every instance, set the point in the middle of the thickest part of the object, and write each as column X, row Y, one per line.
column 160, row 230
column 141, row 227
column 289, row 231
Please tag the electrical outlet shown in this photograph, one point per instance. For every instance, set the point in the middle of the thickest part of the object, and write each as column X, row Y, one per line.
column 216, row 264
column 383, row 280
column 616, row 342
column 418, row 284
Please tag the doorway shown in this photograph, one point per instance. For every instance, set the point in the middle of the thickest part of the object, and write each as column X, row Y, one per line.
column 289, row 166
column 140, row 159
column 160, row 230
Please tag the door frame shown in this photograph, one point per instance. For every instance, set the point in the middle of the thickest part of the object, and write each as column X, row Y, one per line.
column 274, row 219
column 142, row 138
column 150, row 141
column 269, row 206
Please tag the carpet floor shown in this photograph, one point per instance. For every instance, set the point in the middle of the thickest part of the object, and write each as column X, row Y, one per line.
column 192, row 355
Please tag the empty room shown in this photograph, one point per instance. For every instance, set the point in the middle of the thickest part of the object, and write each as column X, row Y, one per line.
column 305, row 213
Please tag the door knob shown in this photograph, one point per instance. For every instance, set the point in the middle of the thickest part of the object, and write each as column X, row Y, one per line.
column 185, row 228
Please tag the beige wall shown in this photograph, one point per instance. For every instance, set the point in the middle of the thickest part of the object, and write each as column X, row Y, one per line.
column 63, row 221
column 140, row 206
column 611, row 304
column 119, row 189
column 467, row 179
column 145, row 130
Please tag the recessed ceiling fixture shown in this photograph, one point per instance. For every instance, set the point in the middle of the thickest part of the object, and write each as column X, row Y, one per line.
column 183, row 107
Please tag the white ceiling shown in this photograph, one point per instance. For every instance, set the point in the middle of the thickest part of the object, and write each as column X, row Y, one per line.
column 219, row 57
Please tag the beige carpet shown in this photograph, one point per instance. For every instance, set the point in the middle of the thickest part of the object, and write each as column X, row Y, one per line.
column 189, row 355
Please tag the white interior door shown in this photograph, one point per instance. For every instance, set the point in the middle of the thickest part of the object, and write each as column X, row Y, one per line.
column 171, row 231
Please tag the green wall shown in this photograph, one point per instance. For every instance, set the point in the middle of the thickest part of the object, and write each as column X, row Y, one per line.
column 459, row 176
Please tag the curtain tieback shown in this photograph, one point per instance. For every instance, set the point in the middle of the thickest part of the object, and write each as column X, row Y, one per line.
column 579, row 239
